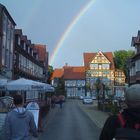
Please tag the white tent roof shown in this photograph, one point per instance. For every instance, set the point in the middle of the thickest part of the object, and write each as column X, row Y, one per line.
column 24, row 84
column 3, row 83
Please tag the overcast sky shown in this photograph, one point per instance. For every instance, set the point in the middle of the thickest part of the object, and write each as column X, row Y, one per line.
column 107, row 25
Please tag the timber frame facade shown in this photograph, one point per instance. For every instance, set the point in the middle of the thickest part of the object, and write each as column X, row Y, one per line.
column 26, row 63
column 100, row 66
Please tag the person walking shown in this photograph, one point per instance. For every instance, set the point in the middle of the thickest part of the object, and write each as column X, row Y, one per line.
column 128, row 118
column 19, row 122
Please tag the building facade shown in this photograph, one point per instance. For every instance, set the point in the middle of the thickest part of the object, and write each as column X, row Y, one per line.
column 56, row 76
column 74, row 78
column 100, row 67
column 134, row 66
column 7, row 26
column 26, row 61
column 119, row 83
column 43, row 59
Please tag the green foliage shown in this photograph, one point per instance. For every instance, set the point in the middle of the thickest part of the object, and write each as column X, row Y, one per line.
column 120, row 59
column 50, row 72
column 98, row 85
column 60, row 89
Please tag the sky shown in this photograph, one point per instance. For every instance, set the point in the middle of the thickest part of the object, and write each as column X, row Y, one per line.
column 70, row 28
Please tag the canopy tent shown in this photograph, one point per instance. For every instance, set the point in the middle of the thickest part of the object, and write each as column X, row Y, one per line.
column 49, row 88
column 3, row 83
column 24, row 85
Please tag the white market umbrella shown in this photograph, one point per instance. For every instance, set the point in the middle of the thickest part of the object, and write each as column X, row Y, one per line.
column 24, row 85
column 49, row 88
column 3, row 83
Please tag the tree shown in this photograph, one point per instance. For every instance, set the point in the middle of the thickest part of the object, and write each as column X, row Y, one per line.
column 120, row 59
column 50, row 72
column 60, row 89
column 98, row 86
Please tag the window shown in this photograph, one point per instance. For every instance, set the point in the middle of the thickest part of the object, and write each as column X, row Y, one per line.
column 106, row 72
column 94, row 66
column 99, row 58
column 100, row 66
column 105, row 66
column 137, row 65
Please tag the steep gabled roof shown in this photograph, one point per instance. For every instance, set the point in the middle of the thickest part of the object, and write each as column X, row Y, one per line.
column 74, row 73
column 57, row 73
column 3, row 8
column 88, row 57
column 41, row 49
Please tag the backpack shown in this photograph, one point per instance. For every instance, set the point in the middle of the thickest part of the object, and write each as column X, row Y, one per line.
column 125, row 133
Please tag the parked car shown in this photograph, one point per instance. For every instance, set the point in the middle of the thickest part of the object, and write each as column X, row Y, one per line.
column 87, row 100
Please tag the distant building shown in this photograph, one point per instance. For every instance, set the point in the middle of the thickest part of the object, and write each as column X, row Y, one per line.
column 100, row 65
column 134, row 66
column 7, row 26
column 74, row 78
column 57, row 74
column 119, row 82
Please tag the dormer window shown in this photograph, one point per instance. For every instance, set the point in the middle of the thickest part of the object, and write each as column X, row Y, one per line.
column 24, row 46
column 18, row 40
column 28, row 49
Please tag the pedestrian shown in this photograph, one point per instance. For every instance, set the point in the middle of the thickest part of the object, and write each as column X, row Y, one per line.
column 19, row 122
column 60, row 102
column 53, row 98
column 128, row 118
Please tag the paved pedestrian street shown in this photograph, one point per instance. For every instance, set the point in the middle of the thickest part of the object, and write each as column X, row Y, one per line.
column 74, row 121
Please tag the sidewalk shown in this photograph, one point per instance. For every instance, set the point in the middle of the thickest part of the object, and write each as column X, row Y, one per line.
column 98, row 117
column 51, row 113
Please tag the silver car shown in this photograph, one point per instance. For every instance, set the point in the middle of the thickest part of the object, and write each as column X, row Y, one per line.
column 87, row 100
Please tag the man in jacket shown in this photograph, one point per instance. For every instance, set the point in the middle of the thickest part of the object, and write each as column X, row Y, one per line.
column 19, row 122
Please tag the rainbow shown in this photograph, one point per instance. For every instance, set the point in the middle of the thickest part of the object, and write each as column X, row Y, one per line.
column 69, row 29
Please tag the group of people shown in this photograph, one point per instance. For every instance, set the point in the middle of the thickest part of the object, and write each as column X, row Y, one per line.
column 57, row 100
column 19, row 122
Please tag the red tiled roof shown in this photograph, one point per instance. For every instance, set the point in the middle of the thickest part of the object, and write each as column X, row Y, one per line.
column 41, row 50
column 58, row 73
column 74, row 73
column 88, row 57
